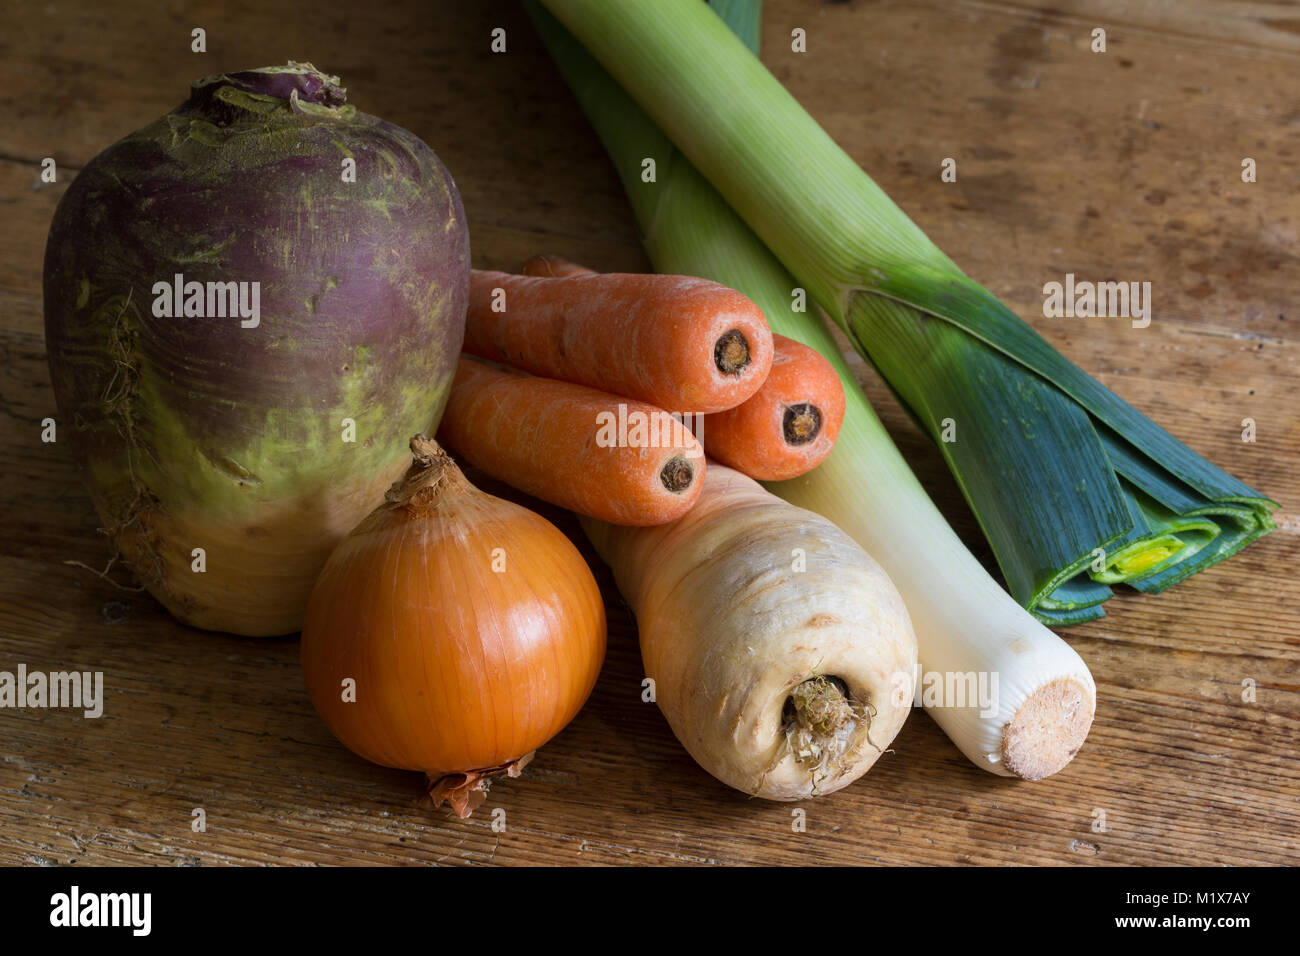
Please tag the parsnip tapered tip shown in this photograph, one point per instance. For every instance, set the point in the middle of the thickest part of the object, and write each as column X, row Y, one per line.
column 1048, row 729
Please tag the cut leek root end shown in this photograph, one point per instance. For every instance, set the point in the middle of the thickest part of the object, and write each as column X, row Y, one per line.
column 1048, row 729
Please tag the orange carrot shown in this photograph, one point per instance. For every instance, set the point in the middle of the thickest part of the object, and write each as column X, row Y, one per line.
column 790, row 424
column 553, row 267
column 677, row 342
column 619, row 460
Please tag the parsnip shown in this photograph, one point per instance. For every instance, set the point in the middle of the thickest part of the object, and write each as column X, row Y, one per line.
column 781, row 654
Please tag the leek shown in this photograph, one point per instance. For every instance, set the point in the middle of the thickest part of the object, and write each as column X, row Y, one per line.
column 1073, row 487
column 1043, row 694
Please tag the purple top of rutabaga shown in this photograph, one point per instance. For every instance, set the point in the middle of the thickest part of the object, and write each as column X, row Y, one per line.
column 310, row 84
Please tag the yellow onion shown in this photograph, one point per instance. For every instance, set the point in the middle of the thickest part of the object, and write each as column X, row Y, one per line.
column 451, row 632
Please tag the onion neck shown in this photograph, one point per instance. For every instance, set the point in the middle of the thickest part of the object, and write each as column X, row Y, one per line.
column 431, row 479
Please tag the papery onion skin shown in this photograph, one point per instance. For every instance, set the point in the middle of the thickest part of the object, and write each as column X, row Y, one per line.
column 197, row 433
column 457, row 667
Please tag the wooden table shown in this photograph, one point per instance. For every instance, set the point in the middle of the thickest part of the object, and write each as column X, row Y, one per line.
column 1122, row 165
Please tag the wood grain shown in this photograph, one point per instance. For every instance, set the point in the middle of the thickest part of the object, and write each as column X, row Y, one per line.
column 1121, row 165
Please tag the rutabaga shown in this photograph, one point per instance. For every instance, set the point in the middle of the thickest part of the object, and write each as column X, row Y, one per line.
column 965, row 623
column 241, row 340
column 780, row 652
